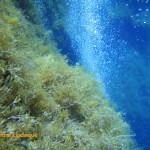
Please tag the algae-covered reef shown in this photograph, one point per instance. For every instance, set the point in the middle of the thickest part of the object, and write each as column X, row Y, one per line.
column 61, row 106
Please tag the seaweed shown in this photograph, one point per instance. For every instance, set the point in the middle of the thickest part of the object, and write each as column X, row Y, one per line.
column 41, row 94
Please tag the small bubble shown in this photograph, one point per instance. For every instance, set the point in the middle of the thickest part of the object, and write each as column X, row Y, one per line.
column 140, row 9
column 147, row 10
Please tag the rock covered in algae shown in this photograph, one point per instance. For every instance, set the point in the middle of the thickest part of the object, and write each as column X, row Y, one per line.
column 44, row 102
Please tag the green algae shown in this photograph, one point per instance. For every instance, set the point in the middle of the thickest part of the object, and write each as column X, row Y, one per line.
column 40, row 93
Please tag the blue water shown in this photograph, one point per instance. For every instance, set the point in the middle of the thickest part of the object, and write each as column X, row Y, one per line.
column 111, row 38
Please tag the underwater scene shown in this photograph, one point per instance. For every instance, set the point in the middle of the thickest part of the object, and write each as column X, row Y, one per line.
column 74, row 75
